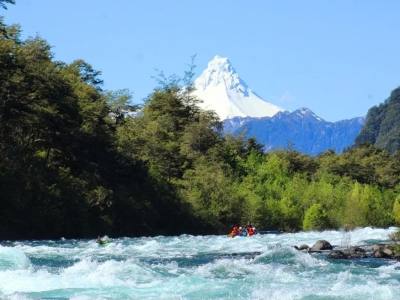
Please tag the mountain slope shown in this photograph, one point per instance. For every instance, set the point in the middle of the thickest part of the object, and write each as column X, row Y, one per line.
column 382, row 126
column 222, row 90
column 301, row 129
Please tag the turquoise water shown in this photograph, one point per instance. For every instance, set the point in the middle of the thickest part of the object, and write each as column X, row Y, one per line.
column 195, row 267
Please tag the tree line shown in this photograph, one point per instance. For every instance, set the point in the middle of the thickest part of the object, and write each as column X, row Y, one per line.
column 79, row 161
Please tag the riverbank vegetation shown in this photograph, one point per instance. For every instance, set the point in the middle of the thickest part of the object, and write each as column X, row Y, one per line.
column 75, row 163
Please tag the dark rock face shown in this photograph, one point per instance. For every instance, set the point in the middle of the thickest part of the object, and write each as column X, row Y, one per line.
column 321, row 245
column 301, row 129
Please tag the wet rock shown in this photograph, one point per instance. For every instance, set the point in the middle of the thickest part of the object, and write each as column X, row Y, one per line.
column 357, row 250
column 321, row 245
column 302, row 247
column 378, row 254
column 337, row 254
column 350, row 253
column 382, row 251
column 377, row 247
column 387, row 252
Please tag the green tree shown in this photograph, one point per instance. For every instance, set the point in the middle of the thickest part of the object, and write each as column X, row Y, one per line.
column 396, row 210
column 120, row 104
column 356, row 208
column 210, row 191
column 316, row 218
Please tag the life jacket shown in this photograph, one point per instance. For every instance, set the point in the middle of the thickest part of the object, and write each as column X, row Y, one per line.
column 250, row 231
column 234, row 232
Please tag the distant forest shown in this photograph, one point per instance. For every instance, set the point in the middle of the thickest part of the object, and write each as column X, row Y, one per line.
column 382, row 127
column 74, row 163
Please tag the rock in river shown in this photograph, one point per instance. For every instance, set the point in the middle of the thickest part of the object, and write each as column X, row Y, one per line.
column 337, row 254
column 302, row 247
column 321, row 245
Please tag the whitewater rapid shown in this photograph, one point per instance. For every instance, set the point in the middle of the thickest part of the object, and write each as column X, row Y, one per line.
column 196, row 267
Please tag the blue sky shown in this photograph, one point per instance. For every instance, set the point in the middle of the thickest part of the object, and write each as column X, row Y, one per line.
column 337, row 57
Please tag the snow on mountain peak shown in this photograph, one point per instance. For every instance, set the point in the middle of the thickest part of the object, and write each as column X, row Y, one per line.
column 304, row 111
column 220, row 71
column 222, row 90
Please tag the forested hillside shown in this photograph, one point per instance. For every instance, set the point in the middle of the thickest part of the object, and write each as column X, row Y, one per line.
column 73, row 164
column 382, row 126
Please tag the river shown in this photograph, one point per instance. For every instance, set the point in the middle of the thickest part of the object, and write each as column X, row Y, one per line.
column 196, row 267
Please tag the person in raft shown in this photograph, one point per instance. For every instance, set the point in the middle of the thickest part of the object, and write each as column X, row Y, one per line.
column 251, row 230
column 102, row 240
column 243, row 231
column 234, row 231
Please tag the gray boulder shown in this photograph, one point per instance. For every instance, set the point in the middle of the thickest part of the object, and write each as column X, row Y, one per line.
column 378, row 254
column 377, row 247
column 321, row 245
column 382, row 251
column 387, row 252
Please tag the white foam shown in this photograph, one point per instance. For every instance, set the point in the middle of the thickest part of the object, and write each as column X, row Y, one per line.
column 195, row 267
column 11, row 258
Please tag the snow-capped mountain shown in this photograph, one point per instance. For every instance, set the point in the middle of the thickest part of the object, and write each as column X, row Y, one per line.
column 222, row 90
column 301, row 129
column 244, row 112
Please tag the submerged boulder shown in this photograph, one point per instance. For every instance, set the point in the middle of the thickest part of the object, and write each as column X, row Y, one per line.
column 321, row 245
column 302, row 247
